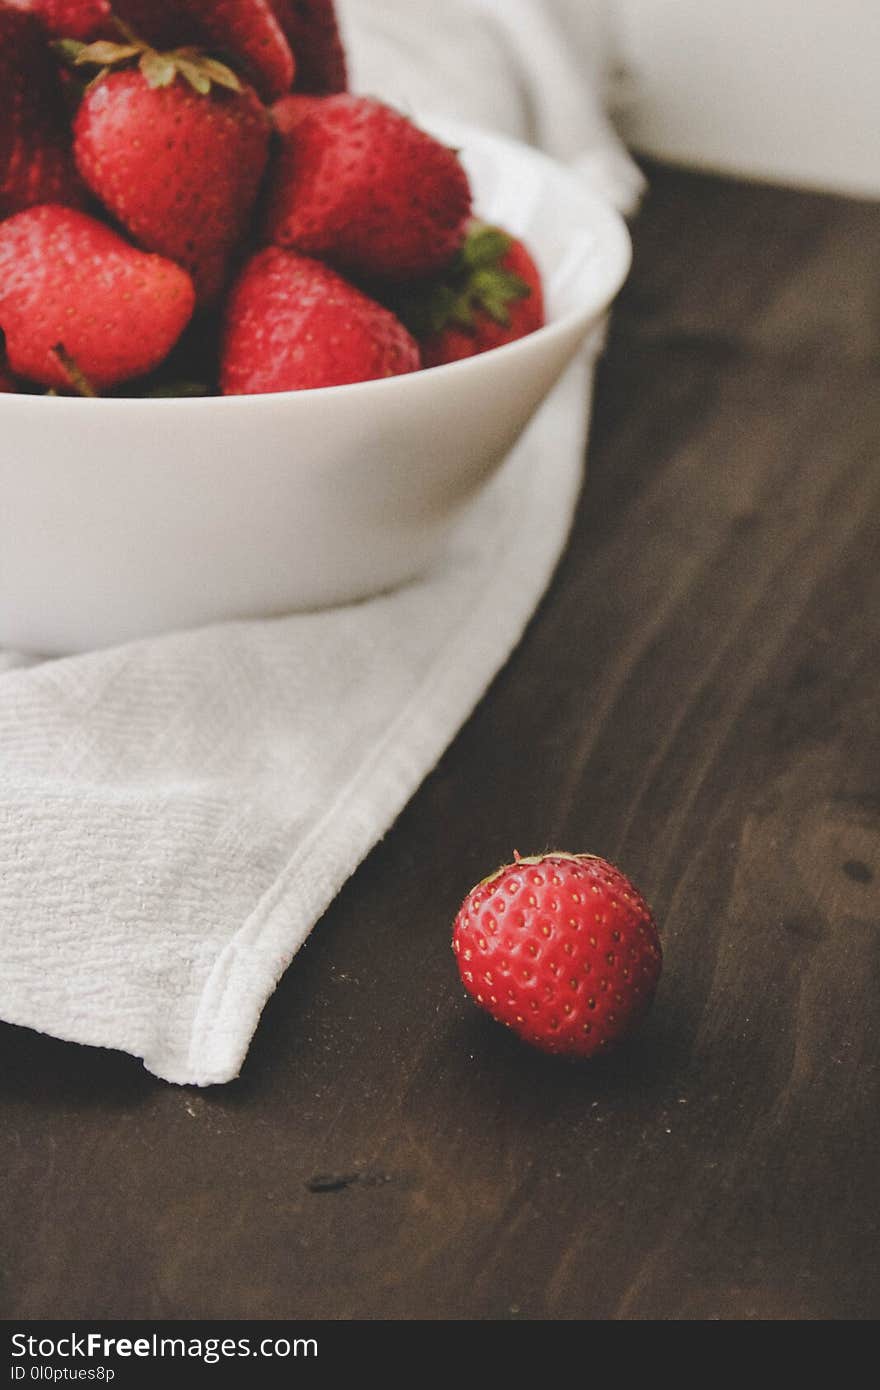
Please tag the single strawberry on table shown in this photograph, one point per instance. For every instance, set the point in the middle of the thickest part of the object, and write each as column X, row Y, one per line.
column 358, row 184
column 312, row 30
column 72, row 289
column 293, row 324
column 491, row 294
column 175, row 148
column 36, row 160
column 562, row 949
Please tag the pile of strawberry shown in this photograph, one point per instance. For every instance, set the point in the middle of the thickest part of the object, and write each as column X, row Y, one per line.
column 191, row 201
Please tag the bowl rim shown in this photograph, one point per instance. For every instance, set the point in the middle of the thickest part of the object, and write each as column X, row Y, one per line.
column 614, row 258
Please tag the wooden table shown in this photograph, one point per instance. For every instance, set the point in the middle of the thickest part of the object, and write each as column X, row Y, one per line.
column 697, row 699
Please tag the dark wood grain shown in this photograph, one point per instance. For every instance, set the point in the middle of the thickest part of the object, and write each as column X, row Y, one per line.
column 697, row 699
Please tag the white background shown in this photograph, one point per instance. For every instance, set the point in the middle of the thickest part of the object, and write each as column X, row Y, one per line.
column 787, row 90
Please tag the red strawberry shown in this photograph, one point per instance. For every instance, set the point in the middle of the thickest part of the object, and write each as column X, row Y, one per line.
column 245, row 31
column 158, row 21
column 7, row 385
column 292, row 323
column 290, row 110
column 359, row 185
column 68, row 282
column 562, row 949
column 490, row 295
column 312, row 30
column 179, row 168
column 36, row 163
column 70, row 19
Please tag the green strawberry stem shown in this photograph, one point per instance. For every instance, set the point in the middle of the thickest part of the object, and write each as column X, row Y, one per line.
column 125, row 31
column 531, row 859
column 175, row 390
column 76, row 377
column 476, row 282
column 157, row 69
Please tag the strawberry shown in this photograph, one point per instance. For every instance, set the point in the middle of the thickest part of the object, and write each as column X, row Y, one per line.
column 7, row 385
column 359, row 185
column 290, row 110
column 292, row 323
column 560, row 948
column 36, row 162
column 70, row 19
column 312, row 31
column 175, row 149
column 72, row 290
column 245, row 31
column 491, row 294
column 159, row 21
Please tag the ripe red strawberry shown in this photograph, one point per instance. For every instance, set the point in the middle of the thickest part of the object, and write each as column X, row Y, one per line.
column 157, row 21
column 290, row 110
column 70, row 19
column 7, row 385
column 244, row 31
column 68, row 282
column 292, row 323
column 36, row 162
column 490, row 295
column 313, row 33
column 562, row 949
column 180, row 168
column 359, row 185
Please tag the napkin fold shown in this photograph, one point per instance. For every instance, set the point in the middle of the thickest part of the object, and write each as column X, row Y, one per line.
column 177, row 813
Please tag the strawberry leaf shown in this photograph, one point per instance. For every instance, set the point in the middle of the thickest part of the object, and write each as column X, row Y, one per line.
column 219, row 73
column 68, row 50
column 194, row 74
column 476, row 282
column 495, row 290
column 485, row 246
column 157, row 69
column 104, row 54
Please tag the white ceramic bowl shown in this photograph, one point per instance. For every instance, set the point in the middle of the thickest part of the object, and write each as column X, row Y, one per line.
column 122, row 518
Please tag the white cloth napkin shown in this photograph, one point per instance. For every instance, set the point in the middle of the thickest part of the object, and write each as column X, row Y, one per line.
column 176, row 814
